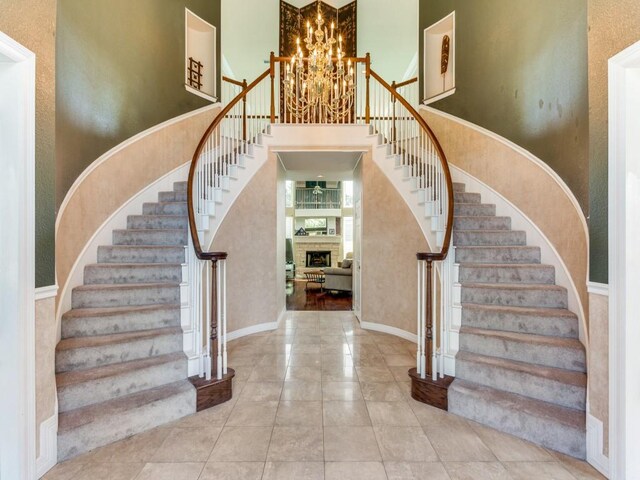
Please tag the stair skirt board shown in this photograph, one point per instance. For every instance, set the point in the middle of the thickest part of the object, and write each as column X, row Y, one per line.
column 103, row 235
column 121, row 367
column 519, row 221
column 520, row 367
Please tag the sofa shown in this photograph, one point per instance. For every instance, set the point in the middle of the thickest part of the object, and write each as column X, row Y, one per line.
column 339, row 278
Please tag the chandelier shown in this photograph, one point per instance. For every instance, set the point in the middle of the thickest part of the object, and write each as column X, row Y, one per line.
column 320, row 87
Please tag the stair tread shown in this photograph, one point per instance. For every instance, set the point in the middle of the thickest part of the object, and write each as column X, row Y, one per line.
column 569, row 417
column 530, row 338
column 498, row 246
column 516, row 286
column 541, row 266
column 486, row 230
column 538, row 311
column 75, row 377
column 114, row 338
column 159, row 217
column 109, row 311
column 561, row 375
column 154, row 230
column 122, row 286
column 133, row 265
column 85, row 415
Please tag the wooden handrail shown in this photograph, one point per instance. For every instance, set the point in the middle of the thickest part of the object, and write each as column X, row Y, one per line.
column 405, row 83
column 233, row 81
column 193, row 228
column 433, row 256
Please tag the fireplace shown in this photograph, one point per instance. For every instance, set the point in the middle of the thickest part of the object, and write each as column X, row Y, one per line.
column 318, row 259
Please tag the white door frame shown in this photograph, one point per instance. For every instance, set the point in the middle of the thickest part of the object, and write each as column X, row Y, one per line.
column 624, row 263
column 17, row 246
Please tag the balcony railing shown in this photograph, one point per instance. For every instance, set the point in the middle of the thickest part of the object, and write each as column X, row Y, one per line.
column 313, row 199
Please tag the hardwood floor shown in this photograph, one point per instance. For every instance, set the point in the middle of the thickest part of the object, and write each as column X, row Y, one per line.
column 314, row 298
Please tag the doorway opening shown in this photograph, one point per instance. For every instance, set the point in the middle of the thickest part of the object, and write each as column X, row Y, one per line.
column 319, row 230
column 17, row 244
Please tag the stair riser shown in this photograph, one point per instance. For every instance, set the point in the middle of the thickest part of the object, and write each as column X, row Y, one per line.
column 550, row 434
column 164, row 209
column 90, row 357
column 507, row 274
column 157, row 221
column 560, row 326
column 106, row 274
column 469, row 210
column 466, row 197
column 130, row 322
column 459, row 187
column 180, row 186
column 172, row 197
column 521, row 383
column 481, row 223
column 550, row 356
column 515, row 298
column 135, row 254
column 498, row 255
column 507, row 238
column 123, row 297
column 150, row 237
column 104, row 389
column 109, row 429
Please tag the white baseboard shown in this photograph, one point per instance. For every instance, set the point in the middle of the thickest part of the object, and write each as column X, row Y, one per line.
column 48, row 445
column 595, row 441
column 598, row 288
column 379, row 327
column 261, row 327
column 42, row 293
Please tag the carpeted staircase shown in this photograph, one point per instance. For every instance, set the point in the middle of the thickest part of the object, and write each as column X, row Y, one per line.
column 520, row 367
column 120, row 364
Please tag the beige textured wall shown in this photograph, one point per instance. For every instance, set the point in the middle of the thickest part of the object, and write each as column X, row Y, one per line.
column 248, row 235
column 523, row 183
column 599, row 362
column 391, row 237
column 46, row 333
column 613, row 26
column 33, row 24
column 120, row 177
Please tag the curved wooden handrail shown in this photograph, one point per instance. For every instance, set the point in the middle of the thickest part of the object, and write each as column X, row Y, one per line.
column 214, row 256
column 429, row 256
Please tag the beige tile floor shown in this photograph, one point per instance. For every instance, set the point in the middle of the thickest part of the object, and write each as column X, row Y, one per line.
column 320, row 398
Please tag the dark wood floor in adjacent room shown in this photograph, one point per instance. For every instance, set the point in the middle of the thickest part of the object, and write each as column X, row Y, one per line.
column 314, row 298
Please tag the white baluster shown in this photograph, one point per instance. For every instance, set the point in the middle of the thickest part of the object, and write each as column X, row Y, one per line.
column 224, row 316
column 218, row 317
column 434, row 328
column 419, row 317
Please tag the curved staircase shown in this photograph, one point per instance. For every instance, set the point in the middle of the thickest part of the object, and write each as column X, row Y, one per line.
column 520, row 367
column 120, row 364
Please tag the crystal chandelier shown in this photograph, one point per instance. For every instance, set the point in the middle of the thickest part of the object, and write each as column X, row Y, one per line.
column 320, row 87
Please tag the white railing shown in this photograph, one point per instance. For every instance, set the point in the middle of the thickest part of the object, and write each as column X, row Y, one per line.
column 389, row 110
column 208, row 314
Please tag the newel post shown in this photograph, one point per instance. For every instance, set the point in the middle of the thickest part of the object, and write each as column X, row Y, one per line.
column 428, row 341
column 213, row 332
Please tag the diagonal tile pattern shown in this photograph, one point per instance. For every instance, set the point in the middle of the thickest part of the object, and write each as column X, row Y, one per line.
column 320, row 398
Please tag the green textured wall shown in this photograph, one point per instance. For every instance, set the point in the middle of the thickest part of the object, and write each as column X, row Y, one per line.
column 120, row 70
column 33, row 24
column 521, row 72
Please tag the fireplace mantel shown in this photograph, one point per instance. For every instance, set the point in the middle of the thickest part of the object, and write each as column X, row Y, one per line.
column 318, row 239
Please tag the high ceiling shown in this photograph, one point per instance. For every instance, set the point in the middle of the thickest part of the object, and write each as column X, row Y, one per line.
column 310, row 165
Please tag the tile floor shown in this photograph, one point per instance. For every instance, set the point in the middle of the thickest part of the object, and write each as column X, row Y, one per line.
column 320, row 398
